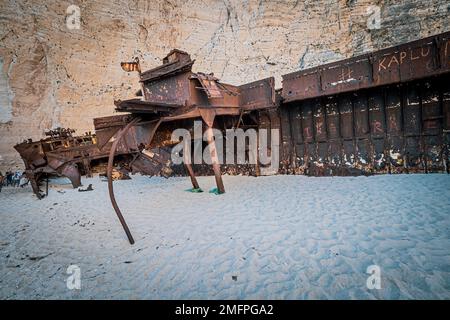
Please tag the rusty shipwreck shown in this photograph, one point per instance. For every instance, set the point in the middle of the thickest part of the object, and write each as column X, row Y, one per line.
column 382, row 112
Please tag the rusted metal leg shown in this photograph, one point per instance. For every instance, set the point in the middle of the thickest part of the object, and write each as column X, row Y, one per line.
column 110, row 182
column 33, row 178
column 192, row 176
column 215, row 159
column 188, row 163
column 46, row 185
column 87, row 168
column 109, row 172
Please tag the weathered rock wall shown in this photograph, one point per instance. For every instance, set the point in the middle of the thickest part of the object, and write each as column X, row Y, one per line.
column 54, row 76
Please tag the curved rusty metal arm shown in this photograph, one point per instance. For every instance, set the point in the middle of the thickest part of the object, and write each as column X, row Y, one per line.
column 110, row 183
column 110, row 167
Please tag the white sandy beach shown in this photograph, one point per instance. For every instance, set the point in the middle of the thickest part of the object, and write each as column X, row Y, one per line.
column 279, row 237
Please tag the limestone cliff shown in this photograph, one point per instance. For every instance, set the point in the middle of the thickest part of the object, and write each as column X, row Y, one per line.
column 51, row 75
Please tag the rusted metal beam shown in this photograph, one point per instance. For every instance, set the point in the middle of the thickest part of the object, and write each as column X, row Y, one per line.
column 407, row 62
column 110, row 181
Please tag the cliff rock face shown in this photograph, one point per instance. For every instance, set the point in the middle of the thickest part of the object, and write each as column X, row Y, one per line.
column 51, row 75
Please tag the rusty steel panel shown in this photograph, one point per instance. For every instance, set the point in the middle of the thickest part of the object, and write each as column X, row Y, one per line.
column 395, row 154
column 333, row 129
column 446, row 125
column 362, row 131
column 432, row 126
column 413, row 154
column 295, row 117
column 332, row 115
column 320, row 126
column 446, row 109
column 406, row 62
column 258, row 94
column 394, row 128
column 335, row 156
column 363, row 151
column 175, row 62
column 296, row 124
column 414, row 60
column 311, row 154
column 393, row 111
column 361, row 114
column 418, row 61
column 348, row 153
column 379, row 161
column 307, row 122
column 346, row 76
column 444, row 45
column 377, row 129
column 412, row 111
column 301, row 85
column 376, row 115
column 346, row 116
column 173, row 90
column 402, row 125
column 322, row 152
column 431, row 109
column 299, row 162
column 286, row 139
column 433, row 153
